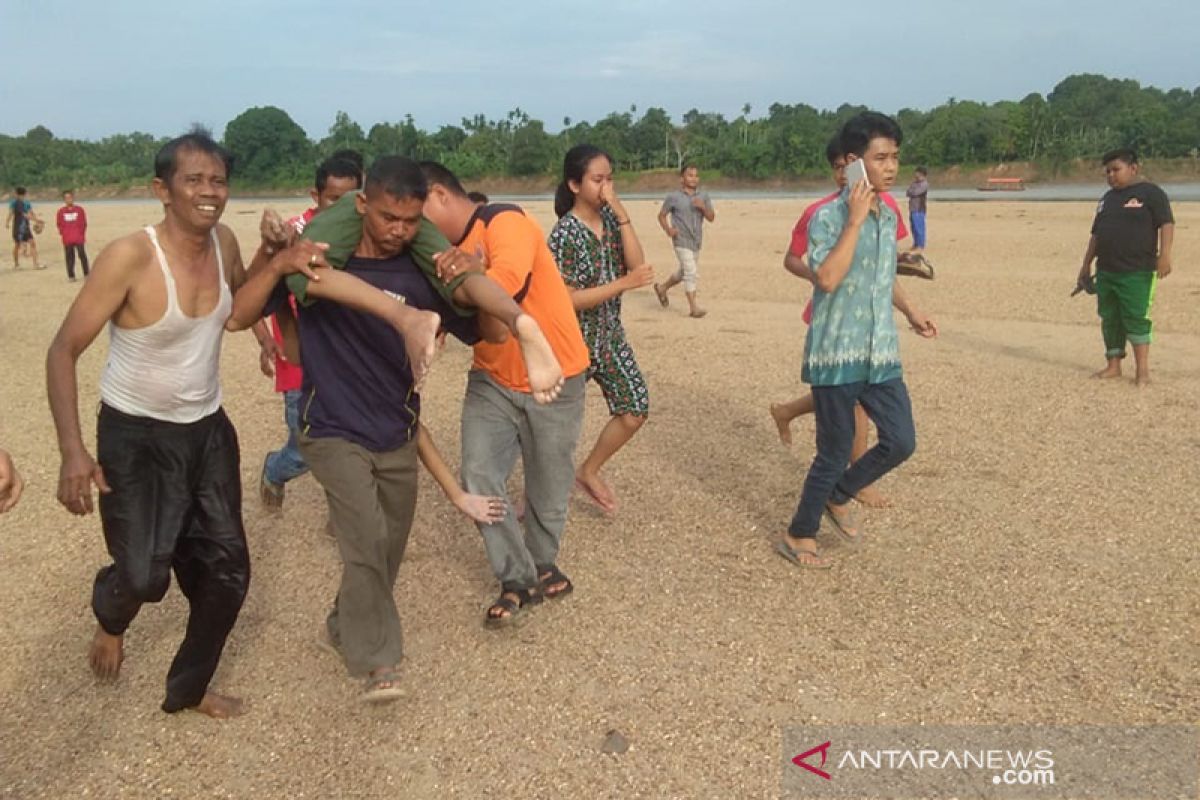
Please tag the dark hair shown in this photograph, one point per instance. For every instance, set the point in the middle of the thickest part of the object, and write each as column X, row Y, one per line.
column 68, row 191
column 20, row 190
column 436, row 173
column 1125, row 154
column 196, row 140
column 338, row 167
column 477, row 197
column 686, row 166
column 860, row 129
column 398, row 177
column 351, row 155
column 921, row 170
column 575, row 165
column 833, row 149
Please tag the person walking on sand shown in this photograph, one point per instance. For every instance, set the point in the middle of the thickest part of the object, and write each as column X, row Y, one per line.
column 918, row 202
column 21, row 220
column 501, row 417
column 72, row 227
column 1131, row 243
column 600, row 258
column 682, row 218
column 796, row 262
column 167, row 464
column 852, row 352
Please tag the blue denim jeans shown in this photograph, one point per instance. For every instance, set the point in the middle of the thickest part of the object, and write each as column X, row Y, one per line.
column 286, row 463
column 829, row 480
column 917, row 224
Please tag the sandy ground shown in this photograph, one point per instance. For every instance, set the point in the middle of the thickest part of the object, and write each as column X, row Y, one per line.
column 1039, row 565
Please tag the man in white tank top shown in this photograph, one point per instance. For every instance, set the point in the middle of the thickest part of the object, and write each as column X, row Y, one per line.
column 168, row 460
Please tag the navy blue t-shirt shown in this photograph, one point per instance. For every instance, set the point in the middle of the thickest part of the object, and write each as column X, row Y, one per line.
column 357, row 382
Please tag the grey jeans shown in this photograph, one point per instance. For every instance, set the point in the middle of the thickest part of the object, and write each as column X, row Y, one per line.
column 497, row 424
column 372, row 497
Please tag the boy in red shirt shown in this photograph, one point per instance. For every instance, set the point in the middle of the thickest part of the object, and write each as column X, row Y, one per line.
column 72, row 227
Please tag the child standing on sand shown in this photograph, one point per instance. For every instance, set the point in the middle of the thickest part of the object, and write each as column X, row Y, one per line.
column 600, row 258
column 1131, row 245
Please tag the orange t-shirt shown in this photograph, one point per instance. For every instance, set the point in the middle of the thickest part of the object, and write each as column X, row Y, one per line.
column 519, row 259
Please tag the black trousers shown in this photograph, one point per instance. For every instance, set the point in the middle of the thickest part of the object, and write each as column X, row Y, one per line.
column 70, row 250
column 176, row 504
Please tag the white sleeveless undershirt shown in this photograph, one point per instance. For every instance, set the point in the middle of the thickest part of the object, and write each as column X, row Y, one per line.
column 169, row 370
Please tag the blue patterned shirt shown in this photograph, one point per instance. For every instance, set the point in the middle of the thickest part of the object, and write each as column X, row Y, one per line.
column 853, row 333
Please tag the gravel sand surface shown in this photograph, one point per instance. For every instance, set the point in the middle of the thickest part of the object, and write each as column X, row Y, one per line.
column 1039, row 564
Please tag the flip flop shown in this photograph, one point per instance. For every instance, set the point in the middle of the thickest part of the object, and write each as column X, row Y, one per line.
column 843, row 533
column 793, row 555
column 374, row 691
column 593, row 498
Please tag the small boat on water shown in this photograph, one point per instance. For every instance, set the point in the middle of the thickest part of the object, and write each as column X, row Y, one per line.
column 1003, row 185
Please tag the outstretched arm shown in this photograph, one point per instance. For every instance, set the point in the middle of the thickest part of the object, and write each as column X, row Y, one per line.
column 483, row 510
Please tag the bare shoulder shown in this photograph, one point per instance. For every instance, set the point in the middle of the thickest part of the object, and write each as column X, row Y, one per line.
column 127, row 255
column 231, row 253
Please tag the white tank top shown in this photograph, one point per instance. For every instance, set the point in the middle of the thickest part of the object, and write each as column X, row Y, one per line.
column 169, row 370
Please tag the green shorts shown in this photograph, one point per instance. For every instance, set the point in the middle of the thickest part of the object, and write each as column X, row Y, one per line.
column 1123, row 300
column 340, row 227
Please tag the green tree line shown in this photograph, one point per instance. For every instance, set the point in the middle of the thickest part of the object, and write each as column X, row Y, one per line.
column 1083, row 116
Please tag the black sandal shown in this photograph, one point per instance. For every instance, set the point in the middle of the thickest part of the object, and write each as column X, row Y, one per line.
column 551, row 575
column 495, row 616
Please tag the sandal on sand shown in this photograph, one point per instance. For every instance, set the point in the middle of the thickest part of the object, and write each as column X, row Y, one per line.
column 797, row 556
column 506, row 611
column 326, row 644
column 843, row 529
column 552, row 576
column 663, row 299
column 382, row 687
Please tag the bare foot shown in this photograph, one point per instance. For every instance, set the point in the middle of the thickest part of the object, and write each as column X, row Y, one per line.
column 1142, row 380
column 871, row 498
column 783, row 422
column 419, row 329
column 663, row 299
column 106, row 654
column 597, row 491
column 1108, row 372
column 545, row 373
column 218, row 706
column 697, row 313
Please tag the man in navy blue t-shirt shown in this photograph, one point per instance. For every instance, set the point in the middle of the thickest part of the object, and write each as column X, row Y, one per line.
column 359, row 411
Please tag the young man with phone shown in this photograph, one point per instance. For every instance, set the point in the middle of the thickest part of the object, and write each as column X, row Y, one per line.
column 851, row 355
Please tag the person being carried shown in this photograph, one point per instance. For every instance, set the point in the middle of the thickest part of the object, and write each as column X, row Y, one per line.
column 852, row 353
column 467, row 286
column 167, row 464
column 1131, row 245
column 682, row 218
column 600, row 258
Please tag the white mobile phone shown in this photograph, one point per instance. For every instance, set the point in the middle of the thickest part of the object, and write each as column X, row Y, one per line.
column 856, row 171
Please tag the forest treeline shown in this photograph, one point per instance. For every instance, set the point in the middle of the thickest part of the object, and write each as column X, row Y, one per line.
column 1083, row 116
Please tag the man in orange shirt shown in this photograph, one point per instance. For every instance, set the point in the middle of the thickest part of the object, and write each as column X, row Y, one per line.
column 500, row 416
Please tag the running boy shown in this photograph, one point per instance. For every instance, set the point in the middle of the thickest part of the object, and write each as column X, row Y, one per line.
column 688, row 209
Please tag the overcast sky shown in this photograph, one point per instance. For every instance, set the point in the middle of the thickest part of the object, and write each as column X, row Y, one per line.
column 88, row 70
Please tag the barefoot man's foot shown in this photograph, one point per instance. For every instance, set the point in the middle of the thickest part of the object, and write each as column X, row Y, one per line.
column 783, row 422
column 871, row 498
column 419, row 329
column 1108, row 372
column 218, row 706
column 106, row 654
column 545, row 373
